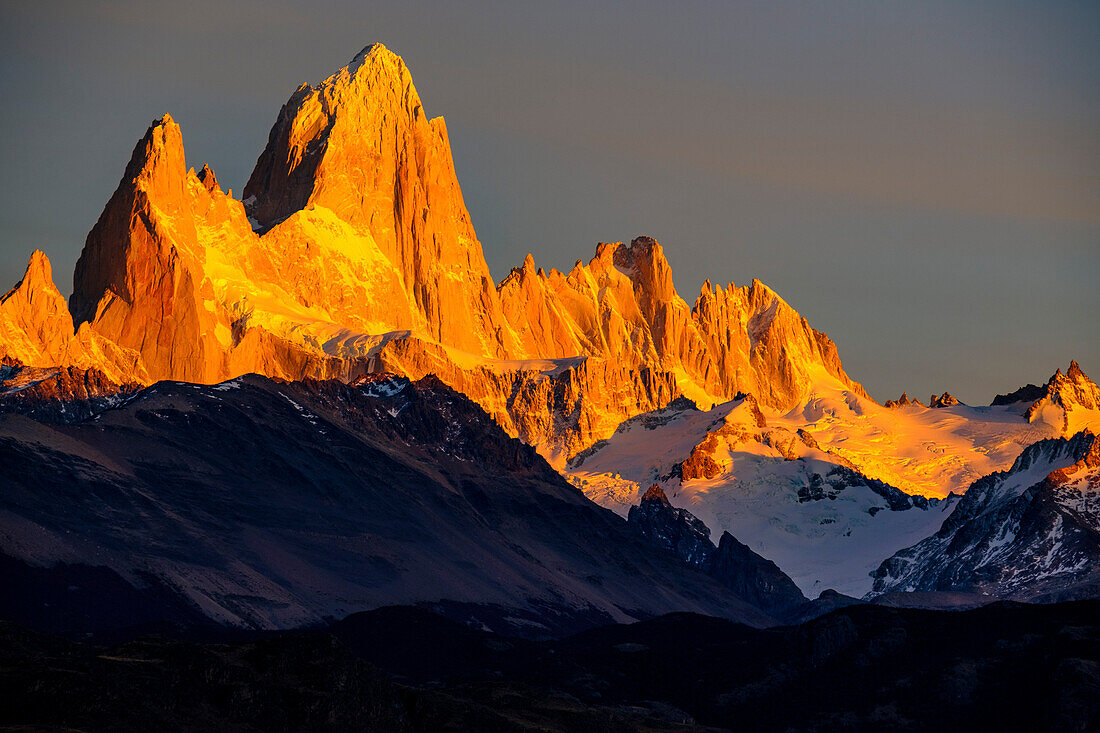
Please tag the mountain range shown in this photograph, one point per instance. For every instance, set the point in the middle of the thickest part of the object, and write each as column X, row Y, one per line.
column 353, row 252
column 279, row 409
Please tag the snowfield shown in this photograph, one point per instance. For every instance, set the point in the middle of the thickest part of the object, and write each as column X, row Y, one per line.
column 785, row 489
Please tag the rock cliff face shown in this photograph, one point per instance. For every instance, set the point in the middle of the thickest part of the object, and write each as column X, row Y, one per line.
column 36, row 329
column 140, row 279
column 624, row 307
column 353, row 252
column 360, row 145
column 34, row 316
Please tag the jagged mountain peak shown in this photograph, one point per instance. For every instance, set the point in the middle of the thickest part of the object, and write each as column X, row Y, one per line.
column 1074, row 376
column 208, row 179
column 376, row 49
column 159, row 151
column 903, row 401
column 35, row 326
column 156, row 172
column 652, row 275
column 141, row 282
column 39, row 274
column 365, row 112
column 360, row 146
column 1068, row 401
column 944, row 400
column 371, row 77
column 36, row 329
column 655, row 493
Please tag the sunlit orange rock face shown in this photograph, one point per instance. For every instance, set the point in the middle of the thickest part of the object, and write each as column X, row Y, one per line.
column 36, row 329
column 353, row 251
column 34, row 317
column 1071, row 398
column 139, row 281
column 360, row 145
column 623, row 307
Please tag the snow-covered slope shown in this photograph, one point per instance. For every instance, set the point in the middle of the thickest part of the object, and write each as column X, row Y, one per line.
column 775, row 489
column 1029, row 533
column 921, row 450
column 805, row 487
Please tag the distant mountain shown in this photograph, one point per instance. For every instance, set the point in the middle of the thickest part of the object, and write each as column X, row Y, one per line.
column 1030, row 533
column 1070, row 402
column 267, row 504
column 352, row 252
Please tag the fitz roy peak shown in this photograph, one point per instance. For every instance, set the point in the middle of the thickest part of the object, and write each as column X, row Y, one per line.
column 353, row 251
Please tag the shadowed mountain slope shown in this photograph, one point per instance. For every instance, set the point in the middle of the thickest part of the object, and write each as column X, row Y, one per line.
column 267, row 504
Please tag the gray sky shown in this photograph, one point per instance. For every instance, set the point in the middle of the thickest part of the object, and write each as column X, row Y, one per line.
column 920, row 180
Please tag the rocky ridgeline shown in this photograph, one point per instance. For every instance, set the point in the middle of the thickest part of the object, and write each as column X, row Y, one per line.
column 1070, row 392
column 262, row 503
column 1065, row 394
column 902, row 401
column 944, row 400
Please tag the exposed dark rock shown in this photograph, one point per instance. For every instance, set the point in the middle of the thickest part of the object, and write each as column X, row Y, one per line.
column 1027, row 393
column 754, row 578
column 839, row 478
column 672, row 529
column 750, row 577
column 58, row 394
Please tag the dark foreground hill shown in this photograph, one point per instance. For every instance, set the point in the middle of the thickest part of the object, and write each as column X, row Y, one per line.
column 266, row 504
column 1001, row 667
